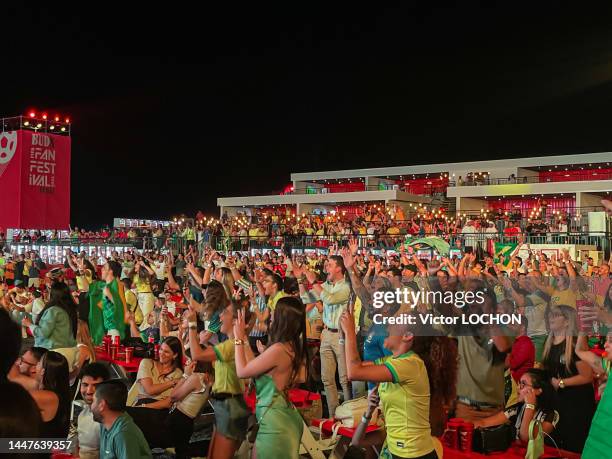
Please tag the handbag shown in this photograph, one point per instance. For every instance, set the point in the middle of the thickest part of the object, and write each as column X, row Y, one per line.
column 141, row 349
column 350, row 412
column 312, row 409
column 492, row 439
column 535, row 447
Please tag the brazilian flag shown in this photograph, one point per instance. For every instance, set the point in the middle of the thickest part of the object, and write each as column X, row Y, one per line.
column 505, row 249
column 104, row 314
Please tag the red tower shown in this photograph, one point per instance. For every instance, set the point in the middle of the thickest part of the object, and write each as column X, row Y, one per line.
column 34, row 173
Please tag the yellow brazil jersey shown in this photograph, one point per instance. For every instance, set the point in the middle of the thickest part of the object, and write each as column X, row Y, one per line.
column 406, row 406
column 226, row 379
column 274, row 299
column 83, row 281
column 142, row 285
column 27, row 266
column 567, row 297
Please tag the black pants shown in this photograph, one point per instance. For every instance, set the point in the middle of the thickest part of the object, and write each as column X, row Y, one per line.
column 84, row 307
column 151, row 421
column 180, row 427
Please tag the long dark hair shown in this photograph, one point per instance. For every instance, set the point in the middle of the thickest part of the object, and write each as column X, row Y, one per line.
column 540, row 379
column 20, row 416
column 60, row 296
column 440, row 355
column 216, row 299
column 89, row 265
column 56, row 379
column 175, row 344
column 289, row 325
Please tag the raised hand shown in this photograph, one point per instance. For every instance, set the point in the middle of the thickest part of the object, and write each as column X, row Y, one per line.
column 347, row 323
column 347, row 256
column 240, row 326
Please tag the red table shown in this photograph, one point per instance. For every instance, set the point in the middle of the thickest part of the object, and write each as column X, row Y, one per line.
column 299, row 397
column 327, row 424
column 517, row 451
column 131, row 367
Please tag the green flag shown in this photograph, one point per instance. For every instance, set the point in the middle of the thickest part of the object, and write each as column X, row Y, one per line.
column 105, row 314
column 505, row 249
column 437, row 243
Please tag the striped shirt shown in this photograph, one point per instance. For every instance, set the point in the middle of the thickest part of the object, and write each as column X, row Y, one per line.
column 260, row 306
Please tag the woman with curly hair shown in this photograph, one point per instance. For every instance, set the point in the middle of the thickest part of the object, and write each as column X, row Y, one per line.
column 416, row 384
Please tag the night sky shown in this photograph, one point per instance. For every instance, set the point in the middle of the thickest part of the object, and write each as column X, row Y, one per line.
column 172, row 109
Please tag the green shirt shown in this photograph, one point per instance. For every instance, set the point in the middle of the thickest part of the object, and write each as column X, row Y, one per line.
column 54, row 330
column 123, row 440
column 599, row 441
column 226, row 379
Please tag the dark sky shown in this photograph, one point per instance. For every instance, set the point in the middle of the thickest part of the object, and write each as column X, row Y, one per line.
column 173, row 108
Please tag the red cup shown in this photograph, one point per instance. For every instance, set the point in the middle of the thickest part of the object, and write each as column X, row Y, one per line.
column 129, row 352
column 466, row 435
column 451, row 435
column 116, row 340
column 113, row 352
column 106, row 341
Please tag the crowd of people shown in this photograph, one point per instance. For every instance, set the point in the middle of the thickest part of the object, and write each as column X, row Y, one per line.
column 250, row 317
column 373, row 225
column 230, row 323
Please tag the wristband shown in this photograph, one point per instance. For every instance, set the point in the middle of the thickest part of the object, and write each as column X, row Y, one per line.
column 238, row 342
column 531, row 406
column 193, row 325
column 562, row 384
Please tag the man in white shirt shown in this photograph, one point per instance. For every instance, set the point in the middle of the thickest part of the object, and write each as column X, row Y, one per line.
column 469, row 234
column 86, row 437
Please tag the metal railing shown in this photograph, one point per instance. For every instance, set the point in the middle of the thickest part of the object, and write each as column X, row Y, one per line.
column 426, row 190
column 583, row 177
column 54, row 250
column 601, row 240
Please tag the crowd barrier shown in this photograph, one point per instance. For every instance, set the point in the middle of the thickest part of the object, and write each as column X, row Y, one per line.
column 104, row 247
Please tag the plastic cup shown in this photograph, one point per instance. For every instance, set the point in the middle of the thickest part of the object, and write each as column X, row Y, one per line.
column 466, row 435
column 129, row 352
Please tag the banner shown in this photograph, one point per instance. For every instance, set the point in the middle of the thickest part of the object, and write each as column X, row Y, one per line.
column 34, row 180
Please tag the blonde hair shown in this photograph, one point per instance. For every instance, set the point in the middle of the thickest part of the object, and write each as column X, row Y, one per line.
column 84, row 337
column 572, row 328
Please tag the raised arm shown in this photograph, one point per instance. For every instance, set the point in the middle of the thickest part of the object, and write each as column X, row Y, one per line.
column 356, row 369
column 582, row 351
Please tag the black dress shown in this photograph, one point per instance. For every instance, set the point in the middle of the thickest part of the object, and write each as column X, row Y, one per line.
column 575, row 404
column 57, row 427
